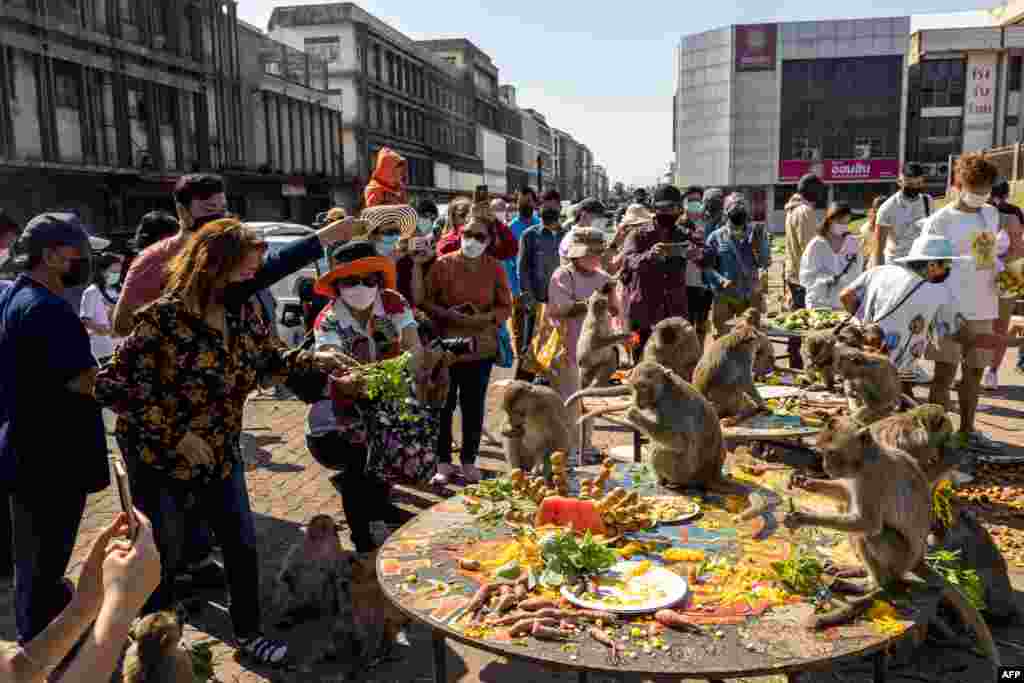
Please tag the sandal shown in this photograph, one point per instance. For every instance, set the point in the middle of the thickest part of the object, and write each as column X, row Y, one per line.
column 264, row 650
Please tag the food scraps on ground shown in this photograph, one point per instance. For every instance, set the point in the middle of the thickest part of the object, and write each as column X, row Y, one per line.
column 807, row 319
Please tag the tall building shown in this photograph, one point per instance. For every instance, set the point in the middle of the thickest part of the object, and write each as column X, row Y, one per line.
column 104, row 104
column 587, row 186
column 567, row 165
column 601, row 190
column 757, row 106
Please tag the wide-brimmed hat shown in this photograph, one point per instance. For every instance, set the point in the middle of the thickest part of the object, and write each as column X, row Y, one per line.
column 401, row 215
column 355, row 258
column 585, row 242
column 636, row 214
column 930, row 248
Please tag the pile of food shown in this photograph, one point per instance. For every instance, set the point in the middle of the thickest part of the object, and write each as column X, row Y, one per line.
column 810, row 413
column 808, row 319
column 1010, row 284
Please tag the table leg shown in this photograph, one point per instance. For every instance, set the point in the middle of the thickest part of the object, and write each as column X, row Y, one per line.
column 583, row 677
column 637, row 447
column 881, row 662
column 440, row 658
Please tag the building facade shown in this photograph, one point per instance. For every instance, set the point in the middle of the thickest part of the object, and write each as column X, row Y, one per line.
column 757, row 106
column 601, row 190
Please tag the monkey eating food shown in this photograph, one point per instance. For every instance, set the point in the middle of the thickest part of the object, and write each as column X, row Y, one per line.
column 764, row 357
column 156, row 655
column 887, row 516
column 725, row 375
column 674, row 344
column 923, row 433
column 871, row 381
column 536, row 424
column 596, row 351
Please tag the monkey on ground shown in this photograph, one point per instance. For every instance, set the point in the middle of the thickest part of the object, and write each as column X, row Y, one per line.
column 377, row 621
column 872, row 383
column 888, row 518
column 536, row 424
column 156, row 655
column 674, row 344
column 725, row 375
column 315, row 575
column 764, row 358
column 686, row 438
column 597, row 353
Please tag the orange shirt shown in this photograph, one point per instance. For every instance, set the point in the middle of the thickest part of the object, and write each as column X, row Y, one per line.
column 450, row 283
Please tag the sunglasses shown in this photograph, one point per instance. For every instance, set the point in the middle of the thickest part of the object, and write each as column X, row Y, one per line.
column 389, row 232
column 365, row 281
column 479, row 236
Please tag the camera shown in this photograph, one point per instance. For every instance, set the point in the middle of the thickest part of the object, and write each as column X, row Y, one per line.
column 455, row 345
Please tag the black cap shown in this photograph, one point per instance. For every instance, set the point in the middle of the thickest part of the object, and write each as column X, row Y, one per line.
column 427, row 208
column 1001, row 188
column 694, row 189
column 912, row 169
column 808, row 180
column 591, row 205
column 154, row 226
column 49, row 230
column 551, row 196
column 7, row 223
column 667, row 197
column 197, row 186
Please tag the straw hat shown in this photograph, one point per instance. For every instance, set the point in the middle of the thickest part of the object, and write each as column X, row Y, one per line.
column 585, row 242
column 358, row 257
column 401, row 215
column 636, row 214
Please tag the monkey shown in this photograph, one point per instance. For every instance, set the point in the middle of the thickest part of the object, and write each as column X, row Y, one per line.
column 683, row 426
column 887, row 516
column 155, row 655
column 378, row 623
column 431, row 378
column 725, row 375
column 818, row 351
column 597, row 354
column 314, row 578
column 536, row 424
column 923, row 433
column 872, row 384
column 764, row 359
column 674, row 344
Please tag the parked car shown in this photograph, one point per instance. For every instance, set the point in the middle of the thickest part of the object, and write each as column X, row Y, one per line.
column 289, row 321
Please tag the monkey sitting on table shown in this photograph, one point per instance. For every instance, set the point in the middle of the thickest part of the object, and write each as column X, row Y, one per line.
column 674, row 344
column 725, row 375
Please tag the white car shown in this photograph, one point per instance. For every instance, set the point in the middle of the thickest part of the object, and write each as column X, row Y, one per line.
column 278, row 234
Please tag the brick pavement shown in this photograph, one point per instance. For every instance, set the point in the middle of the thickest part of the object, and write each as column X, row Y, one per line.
column 292, row 487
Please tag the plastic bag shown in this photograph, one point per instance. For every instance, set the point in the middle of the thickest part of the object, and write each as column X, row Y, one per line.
column 548, row 346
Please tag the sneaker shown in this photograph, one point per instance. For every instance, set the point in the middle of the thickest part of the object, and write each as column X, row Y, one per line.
column 990, row 381
column 379, row 532
column 471, row 474
column 444, row 474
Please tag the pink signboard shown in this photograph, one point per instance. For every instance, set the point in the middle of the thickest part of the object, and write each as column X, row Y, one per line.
column 755, row 47
column 840, row 170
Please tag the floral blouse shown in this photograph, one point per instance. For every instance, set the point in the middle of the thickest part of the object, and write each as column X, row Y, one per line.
column 174, row 375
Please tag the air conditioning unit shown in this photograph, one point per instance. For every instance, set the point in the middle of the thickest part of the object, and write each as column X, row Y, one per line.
column 862, row 151
column 942, row 169
column 810, row 154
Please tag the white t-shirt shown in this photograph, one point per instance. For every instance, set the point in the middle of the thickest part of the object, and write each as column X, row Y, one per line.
column 94, row 309
column 928, row 314
column 973, row 281
column 820, row 264
column 906, row 219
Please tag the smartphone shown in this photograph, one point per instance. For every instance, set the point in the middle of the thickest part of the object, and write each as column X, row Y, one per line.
column 421, row 244
column 480, row 194
column 124, row 492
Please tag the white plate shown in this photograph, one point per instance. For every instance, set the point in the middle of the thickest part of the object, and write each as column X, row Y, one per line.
column 665, row 589
column 777, row 391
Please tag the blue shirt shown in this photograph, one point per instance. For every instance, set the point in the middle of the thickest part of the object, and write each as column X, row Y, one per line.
column 51, row 438
column 737, row 260
column 518, row 227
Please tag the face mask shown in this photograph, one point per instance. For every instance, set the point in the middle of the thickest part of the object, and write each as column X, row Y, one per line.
column 359, row 297
column 938, row 279
column 840, row 229
column 385, row 246
column 472, row 248
column 81, row 271
column 911, row 192
column 588, row 263
column 694, row 208
column 665, row 221
column 424, row 226
column 738, row 218
column 113, row 277
column 550, row 216
column 599, row 224
column 974, row 201
column 4, row 253
column 526, row 210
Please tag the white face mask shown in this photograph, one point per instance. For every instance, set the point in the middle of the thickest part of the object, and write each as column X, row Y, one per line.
column 113, row 277
column 840, row 229
column 599, row 223
column 424, row 226
column 359, row 297
column 974, row 201
column 4, row 253
column 472, row 248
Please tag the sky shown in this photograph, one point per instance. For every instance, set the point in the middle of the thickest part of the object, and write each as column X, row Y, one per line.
column 600, row 71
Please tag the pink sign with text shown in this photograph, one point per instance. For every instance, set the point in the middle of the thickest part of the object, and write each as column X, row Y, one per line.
column 840, row 170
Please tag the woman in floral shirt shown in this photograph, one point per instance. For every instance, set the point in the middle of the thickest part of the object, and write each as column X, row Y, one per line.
column 373, row 442
column 178, row 385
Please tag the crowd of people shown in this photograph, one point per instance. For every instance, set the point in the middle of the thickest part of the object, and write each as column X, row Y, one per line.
column 175, row 337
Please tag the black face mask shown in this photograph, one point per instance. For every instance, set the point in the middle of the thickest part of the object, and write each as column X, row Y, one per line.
column 80, row 273
column 234, row 295
column 525, row 210
column 911, row 193
column 550, row 216
column 941, row 278
column 738, row 218
column 665, row 221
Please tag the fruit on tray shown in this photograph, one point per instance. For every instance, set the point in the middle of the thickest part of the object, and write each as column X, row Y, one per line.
column 573, row 513
column 808, row 319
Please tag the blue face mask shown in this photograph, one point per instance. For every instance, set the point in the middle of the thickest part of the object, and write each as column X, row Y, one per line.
column 386, row 245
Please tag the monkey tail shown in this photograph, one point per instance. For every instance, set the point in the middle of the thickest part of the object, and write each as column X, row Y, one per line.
column 599, row 392
column 909, row 401
column 599, row 413
column 969, row 614
column 613, row 420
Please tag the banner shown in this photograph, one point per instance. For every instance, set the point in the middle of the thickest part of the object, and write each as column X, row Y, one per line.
column 755, row 47
column 980, row 102
column 840, row 170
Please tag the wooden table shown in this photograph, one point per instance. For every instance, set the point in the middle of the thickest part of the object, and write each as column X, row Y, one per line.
column 744, row 639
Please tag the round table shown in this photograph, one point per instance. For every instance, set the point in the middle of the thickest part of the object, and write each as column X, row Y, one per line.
column 743, row 639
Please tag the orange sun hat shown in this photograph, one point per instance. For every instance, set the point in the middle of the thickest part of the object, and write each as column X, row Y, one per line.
column 355, row 258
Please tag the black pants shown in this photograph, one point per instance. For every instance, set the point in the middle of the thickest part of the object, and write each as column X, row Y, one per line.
column 698, row 303
column 44, row 529
column 363, row 497
column 468, row 391
column 799, row 295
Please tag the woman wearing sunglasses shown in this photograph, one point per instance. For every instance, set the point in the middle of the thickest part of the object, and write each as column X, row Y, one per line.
column 365, row 438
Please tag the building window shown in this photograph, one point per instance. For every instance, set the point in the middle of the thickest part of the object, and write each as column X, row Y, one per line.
column 372, row 111
column 450, row 59
column 327, row 48
column 391, row 70
column 943, row 83
column 68, row 85
column 399, row 72
column 128, row 12
column 1013, row 75
column 376, row 62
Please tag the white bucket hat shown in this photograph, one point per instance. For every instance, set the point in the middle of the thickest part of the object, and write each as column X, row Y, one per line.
column 636, row 214
column 930, row 248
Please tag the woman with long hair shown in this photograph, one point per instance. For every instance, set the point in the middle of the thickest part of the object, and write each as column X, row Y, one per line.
column 98, row 303
column 179, row 384
column 832, row 259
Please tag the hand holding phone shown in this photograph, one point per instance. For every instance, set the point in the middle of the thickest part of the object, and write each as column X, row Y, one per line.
column 124, row 493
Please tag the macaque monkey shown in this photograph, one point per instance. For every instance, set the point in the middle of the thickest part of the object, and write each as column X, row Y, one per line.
column 725, row 375
column 597, row 353
column 536, row 424
column 682, row 425
column 378, row 623
column 871, row 381
column 156, row 655
column 674, row 344
column 764, row 358
column 818, row 351
column 923, row 434
column 314, row 578
column 430, row 374
column 888, row 518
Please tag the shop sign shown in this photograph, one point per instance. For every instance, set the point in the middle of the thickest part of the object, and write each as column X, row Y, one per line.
column 755, row 47
column 840, row 170
column 294, row 188
column 980, row 101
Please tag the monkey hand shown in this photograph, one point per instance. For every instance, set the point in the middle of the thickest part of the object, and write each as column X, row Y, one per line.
column 195, row 450
column 794, row 520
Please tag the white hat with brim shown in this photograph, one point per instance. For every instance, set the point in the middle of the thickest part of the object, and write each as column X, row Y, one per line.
column 636, row 214
column 930, row 248
column 585, row 242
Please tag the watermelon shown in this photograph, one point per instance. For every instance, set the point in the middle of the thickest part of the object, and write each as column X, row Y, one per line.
column 572, row 513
